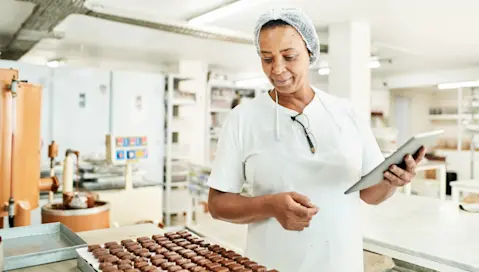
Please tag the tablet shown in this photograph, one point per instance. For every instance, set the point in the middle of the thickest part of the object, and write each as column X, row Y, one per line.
column 412, row 146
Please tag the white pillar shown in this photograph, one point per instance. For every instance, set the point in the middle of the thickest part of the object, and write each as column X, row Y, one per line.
column 194, row 135
column 349, row 58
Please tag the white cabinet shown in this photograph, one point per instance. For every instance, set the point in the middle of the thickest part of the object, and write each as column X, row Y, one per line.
column 80, row 109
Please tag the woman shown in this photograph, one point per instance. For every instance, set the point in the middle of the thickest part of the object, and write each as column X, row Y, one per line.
column 300, row 149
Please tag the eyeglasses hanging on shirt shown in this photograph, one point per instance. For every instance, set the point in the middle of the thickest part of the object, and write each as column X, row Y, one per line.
column 309, row 136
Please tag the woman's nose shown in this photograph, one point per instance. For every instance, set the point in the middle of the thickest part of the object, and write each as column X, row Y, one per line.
column 278, row 67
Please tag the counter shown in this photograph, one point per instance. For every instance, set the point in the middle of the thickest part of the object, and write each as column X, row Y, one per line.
column 420, row 230
column 97, row 237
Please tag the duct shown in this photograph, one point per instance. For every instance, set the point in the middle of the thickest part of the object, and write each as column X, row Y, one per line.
column 49, row 13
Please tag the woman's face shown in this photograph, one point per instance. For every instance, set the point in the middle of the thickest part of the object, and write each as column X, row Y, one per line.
column 285, row 58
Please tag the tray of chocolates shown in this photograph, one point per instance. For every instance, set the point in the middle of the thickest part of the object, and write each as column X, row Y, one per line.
column 170, row 252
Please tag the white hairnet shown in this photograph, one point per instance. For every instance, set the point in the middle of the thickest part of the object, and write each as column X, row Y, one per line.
column 297, row 19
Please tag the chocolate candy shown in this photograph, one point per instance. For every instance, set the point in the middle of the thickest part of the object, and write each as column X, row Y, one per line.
column 139, row 250
column 109, row 244
column 164, row 242
column 250, row 264
column 203, row 252
column 174, row 268
column 158, row 262
column 197, row 269
column 157, row 236
column 176, row 248
column 183, row 244
column 124, row 266
column 204, row 244
column 188, row 265
column 128, row 257
column 111, row 259
column 245, row 270
column 192, row 246
column 132, row 270
column 159, row 239
column 217, row 259
column 139, row 239
column 212, row 247
column 203, row 262
column 189, row 254
column 141, row 264
column 197, row 258
column 227, row 262
column 123, row 262
column 148, row 268
column 221, row 269
column 158, row 256
column 176, row 241
column 169, row 253
column 235, row 267
column 93, row 247
column 242, row 260
column 183, row 251
column 153, row 247
column 110, row 268
column 259, row 269
column 166, row 265
column 100, row 253
column 121, row 254
column 211, row 255
column 212, row 266
column 132, row 248
column 161, row 250
column 132, row 243
column 174, row 258
column 103, row 265
column 103, row 257
column 186, row 235
column 182, row 261
column 148, row 243
column 123, row 242
column 116, row 250
column 174, row 236
column 115, row 247
column 145, row 254
column 235, row 257
column 170, row 245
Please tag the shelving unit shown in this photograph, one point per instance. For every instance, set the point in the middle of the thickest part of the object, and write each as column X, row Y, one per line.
column 219, row 99
column 176, row 177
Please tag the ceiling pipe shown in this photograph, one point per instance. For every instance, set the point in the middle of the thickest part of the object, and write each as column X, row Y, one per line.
column 47, row 14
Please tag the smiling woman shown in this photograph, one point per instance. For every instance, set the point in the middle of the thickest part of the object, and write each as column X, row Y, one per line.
column 298, row 210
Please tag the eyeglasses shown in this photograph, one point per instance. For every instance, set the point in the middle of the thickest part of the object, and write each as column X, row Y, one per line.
column 309, row 137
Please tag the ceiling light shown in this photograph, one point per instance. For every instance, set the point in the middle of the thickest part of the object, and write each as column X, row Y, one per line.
column 456, row 85
column 225, row 11
column 54, row 63
column 373, row 64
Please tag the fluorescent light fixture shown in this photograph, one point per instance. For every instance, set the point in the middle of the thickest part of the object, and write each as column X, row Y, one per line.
column 457, row 85
column 54, row 63
column 252, row 82
column 373, row 64
column 225, row 11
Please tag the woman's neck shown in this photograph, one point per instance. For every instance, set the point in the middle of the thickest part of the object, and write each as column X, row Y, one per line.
column 296, row 101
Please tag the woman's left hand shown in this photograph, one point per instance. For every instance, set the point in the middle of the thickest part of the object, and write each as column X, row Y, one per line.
column 398, row 177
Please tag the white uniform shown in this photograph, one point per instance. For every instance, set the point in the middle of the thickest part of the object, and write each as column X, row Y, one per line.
column 261, row 144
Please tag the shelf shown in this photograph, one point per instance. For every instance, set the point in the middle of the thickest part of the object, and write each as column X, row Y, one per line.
column 450, row 117
column 183, row 101
column 177, row 184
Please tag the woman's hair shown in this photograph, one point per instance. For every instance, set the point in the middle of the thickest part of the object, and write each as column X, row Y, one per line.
column 274, row 23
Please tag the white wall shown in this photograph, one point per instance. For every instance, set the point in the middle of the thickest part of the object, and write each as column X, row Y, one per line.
column 110, row 104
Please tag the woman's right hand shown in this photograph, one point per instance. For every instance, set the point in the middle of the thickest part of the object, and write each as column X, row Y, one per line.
column 293, row 211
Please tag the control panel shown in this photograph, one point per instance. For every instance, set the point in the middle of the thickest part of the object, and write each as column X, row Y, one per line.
column 125, row 149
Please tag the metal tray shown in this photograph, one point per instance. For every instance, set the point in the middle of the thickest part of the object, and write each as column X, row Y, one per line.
column 39, row 244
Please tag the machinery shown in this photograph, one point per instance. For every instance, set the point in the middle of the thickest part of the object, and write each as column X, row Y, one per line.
column 20, row 183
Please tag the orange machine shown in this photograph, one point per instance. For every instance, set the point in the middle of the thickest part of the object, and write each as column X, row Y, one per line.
column 20, row 183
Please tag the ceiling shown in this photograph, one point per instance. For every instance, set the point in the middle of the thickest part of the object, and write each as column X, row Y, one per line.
column 416, row 35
